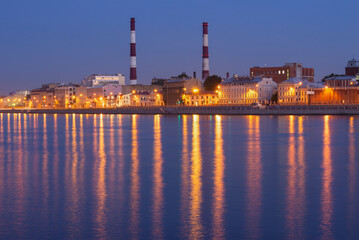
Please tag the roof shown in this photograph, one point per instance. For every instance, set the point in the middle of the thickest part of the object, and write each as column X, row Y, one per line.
column 341, row 78
column 241, row 80
column 295, row 80
column 69, row 85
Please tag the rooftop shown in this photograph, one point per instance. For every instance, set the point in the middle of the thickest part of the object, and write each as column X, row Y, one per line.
column 239, row 80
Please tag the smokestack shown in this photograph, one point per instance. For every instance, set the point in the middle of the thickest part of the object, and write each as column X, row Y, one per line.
column 227, row 75
column 133, row 70
column 194, row 75
column 205, row 63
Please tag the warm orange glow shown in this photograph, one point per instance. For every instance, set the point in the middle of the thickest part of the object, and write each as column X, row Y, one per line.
column 253, row 179
column 327, row 179
column 185, row 175
column 158, row 180
column 135, row 182
column 100, row 179
column 133, row 91
column 352, row 177
column 295, row 202
column 195, row 90
column 196, row 227
column 218, row 201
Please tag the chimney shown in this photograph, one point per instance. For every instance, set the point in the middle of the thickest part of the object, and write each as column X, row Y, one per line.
column 205, row 57
column 194, row 75
column 227, row 75
column 133, row 70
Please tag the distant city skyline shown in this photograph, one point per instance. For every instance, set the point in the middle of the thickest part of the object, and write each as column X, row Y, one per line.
column 46, row 42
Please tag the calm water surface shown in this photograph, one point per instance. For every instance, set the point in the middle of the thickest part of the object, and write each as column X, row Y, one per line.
column 178, row 177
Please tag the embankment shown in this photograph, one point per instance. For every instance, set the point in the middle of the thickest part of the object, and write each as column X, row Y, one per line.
column 208, row 110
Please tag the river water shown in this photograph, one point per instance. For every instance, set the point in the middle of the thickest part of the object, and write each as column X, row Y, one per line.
column 178, row 177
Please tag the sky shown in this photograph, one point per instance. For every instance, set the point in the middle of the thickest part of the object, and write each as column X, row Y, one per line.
column 44, row 41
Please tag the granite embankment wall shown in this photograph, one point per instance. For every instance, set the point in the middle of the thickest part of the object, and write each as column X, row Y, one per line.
column 210, row 110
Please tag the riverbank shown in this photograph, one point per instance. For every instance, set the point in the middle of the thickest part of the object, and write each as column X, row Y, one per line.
column 205, row 110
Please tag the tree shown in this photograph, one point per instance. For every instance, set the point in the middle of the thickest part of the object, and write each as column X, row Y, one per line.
column 211, row 83
column 274, row 97
column 331, row 75
column 183, row 75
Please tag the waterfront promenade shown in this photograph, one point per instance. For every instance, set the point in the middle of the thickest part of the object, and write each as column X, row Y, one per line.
column 206, row 110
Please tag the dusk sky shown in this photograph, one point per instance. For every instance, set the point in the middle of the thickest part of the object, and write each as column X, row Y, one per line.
column 44, row 41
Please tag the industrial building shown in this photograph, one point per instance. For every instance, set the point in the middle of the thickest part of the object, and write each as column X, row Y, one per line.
column 280, row 74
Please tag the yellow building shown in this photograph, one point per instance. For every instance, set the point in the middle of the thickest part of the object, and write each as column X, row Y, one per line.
column 245, row 90
column 200, row 98
column 296, row 91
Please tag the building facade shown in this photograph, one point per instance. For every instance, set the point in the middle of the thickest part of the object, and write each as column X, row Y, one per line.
column 142, row 98
column 340, row 81
column 173, row 89
column 280, row 74
column 104, row 96
column 200, row 98
column 296, row 91
column 95, row 80
column 14, row 100
column 70, row 95
column 246, row 90
column 335, row 96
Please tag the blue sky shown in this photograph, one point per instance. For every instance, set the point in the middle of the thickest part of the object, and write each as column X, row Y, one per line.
column 45, row 41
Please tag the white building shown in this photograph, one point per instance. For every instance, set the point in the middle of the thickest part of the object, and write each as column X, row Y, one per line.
column 245, row 90
column 95, row 80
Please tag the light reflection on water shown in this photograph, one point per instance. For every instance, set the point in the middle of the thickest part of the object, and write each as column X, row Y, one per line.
column 327, row 179
column 109, row 176
column 295, row 203
column 253, row 180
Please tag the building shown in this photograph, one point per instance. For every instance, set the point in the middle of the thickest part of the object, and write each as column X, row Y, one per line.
column 70, row 95
column 42, row 97
column 296, row 91
column 246, row 90
column 340, row 81
column 200, row 98
column 95, row 80
column 280, row 74
column 174, row 88
column 141, row 98
column 337, row 90
column 141, row 88
column 104, row 96
column 14, row 100
column 352, row 68
column 335, row 96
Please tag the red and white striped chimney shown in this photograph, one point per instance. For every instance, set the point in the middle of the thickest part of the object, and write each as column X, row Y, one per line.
column 205, row 57
column 133, row 71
